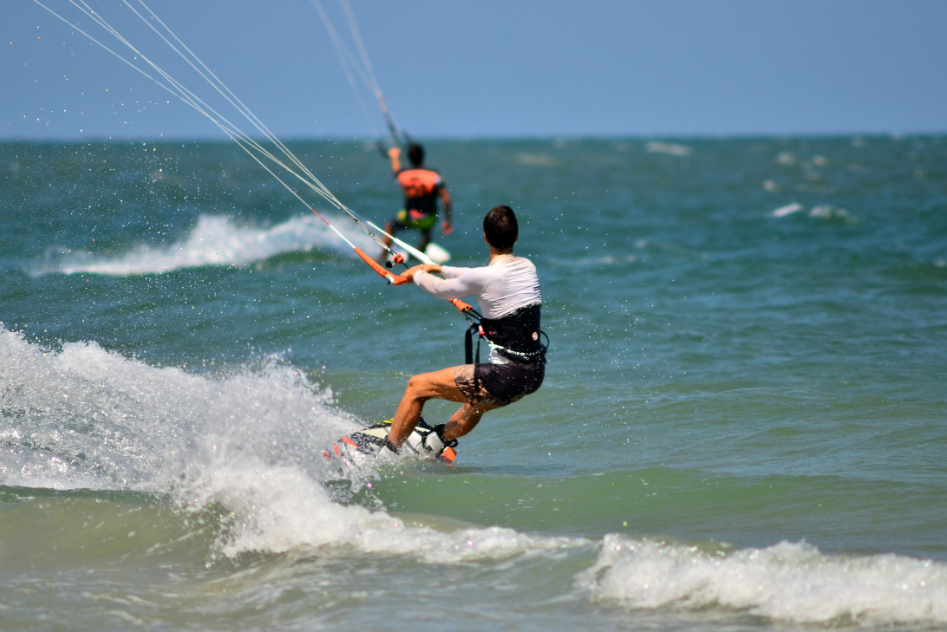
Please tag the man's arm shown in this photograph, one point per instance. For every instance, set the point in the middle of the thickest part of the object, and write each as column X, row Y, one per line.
column 395, row 154
column 470, row 282
column 431, row 268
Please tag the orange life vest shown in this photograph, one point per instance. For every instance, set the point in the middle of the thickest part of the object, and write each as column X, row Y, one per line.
column 421, row 187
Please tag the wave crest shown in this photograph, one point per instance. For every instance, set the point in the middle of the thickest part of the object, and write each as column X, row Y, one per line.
column 788, row 581
column 214, row 241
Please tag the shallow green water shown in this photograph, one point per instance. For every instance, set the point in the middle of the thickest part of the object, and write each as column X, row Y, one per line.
column 742, row 424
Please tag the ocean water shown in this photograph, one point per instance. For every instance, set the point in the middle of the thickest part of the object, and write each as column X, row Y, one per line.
column 743, row 425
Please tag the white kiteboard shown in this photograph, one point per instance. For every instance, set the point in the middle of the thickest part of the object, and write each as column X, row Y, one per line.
column 436, row 252
column 368, row 442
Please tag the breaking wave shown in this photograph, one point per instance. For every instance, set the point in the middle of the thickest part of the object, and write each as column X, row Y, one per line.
column 791, row 582
column 214, row 241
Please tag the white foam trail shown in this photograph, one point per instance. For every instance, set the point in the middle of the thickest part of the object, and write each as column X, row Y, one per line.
column 281, row 508
column 250, row 442
column 787, row 582
column 217, row 241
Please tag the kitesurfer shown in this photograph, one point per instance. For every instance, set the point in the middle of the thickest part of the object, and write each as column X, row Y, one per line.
column 422, row 187
column 508, row 293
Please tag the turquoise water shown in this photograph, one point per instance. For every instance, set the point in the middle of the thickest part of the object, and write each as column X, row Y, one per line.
column 742, row 425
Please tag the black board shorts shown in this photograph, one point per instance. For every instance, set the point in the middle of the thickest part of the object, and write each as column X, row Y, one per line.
column 498, row 384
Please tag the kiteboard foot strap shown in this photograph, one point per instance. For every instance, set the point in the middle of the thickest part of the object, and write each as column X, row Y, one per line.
column 429, row 442
column 439, row 431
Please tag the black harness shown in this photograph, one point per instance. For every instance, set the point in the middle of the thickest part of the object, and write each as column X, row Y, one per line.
column 515, row 336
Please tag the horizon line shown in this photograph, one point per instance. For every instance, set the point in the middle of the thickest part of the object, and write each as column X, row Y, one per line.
column 697, row 136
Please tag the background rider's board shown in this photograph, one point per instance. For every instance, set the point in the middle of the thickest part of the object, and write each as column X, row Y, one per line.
column 437, row 253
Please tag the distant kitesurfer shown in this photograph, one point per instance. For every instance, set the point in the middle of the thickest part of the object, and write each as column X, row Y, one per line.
column 422, row 187
column 508, row 293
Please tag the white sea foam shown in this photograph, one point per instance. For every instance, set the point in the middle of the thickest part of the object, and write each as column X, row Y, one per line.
column 250, row 443
column 673, row 149
column 827, row 211
column 86, row 417
column 786, row 582
column 215, row 241
column 535, row 160
column 789, row 209
column 279, row 508
column 786, row 158
column 822, row 211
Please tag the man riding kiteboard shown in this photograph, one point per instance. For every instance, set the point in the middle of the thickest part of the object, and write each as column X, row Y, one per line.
column 508, row 293
column 422, row 188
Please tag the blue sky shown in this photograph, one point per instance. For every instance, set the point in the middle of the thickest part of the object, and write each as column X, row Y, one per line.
column 496, row 68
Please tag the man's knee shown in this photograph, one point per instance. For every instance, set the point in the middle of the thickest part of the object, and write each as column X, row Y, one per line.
column 436, row 384
column 416, row 385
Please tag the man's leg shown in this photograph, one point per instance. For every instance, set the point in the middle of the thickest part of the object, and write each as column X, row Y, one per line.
column 434, row 385
column 465, row 419
column 425, row 240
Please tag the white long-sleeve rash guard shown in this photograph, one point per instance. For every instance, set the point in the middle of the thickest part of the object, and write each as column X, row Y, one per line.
column 501, row 288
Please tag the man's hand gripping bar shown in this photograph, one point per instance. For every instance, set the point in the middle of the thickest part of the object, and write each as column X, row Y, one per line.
column 397, row 279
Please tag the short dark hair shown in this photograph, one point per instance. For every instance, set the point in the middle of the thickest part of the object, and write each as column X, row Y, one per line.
column 500, row 227
column 416, row 154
